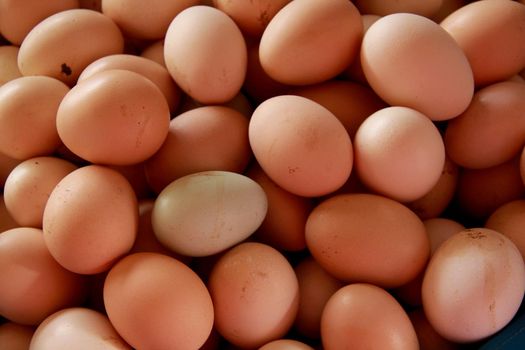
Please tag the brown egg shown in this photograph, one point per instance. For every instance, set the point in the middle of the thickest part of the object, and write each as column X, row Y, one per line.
column 492, row 129
column 283, row 225
column 255, row 294
column 291, row 54
column 6, row 220
column 490, row 33
column 399, row 153
column 347, row 233
column 240, row 103
column 155, row 52
column 425, row 8
column 350, row 102
column 29, row 185
column 435, row 80
column 208, row 212
column 155, row 72
column 300, row 145
column 62, row 45
column 138, row 19
column 206, row 54
column 473, row 285
column 17, row 18
column 9, row 63
column 285, row 344
column 7, row 164
column 14, row 336
column 251, row 17
column 156, row 302
column 364, row 316
column 316, row 286
column 90, row 219
column 116, row 117
column 509, row 219
column 34, row 285
column 428, row 338
column 201, row 139
column 78, row 328
column 28, row 108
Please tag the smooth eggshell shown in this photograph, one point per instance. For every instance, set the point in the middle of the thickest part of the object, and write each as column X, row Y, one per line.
column 207, row 212
column 285, row 344
column 156, row 302
column 473, row 285
column 14, row 336
column 347, row 233
column 300, row 145
column 509, row 219
column 428, row 338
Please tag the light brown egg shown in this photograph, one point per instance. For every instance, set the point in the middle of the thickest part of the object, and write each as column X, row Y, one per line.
column 399, row 153
column 291, row 54
column 90, row 219
column 17, row 18
column 364, row 316
column 157, row 73
column 9, row 63
column 28, row 108
column 79, row 328
column 428, row 338
column 492, row 129
column 285, row 344
column 156, row 302
column 201, row 139
column 491, row 35
column 435, row 79
column 14, row 336
column 155, row 52
column 205, row 53
column 300, row 145
column 34, row 285
column 255, row 294
column 473, row 285
column 208, row 212
column 425, row 8
column 509, row 219
column 116, row 117
column 316, row 286
column 62, row 45
column 29, row 185
column 347, row 233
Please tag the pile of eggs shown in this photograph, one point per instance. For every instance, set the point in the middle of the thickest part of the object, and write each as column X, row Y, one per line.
column 266, row 174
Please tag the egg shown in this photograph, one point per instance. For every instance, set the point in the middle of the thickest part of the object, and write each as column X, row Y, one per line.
column 78, row 328
column 399, row 153
column 7, row 164
column 347, row 233
column 255, row 294
column 473, row 285
column 428, row 338
column 364, row 316
column 155, row 52
column 63, row 44
column 300, row 145
column 14, row 336
column 156, row 302
column 285, row 344
column 208, row 212
column 292, row 52
column 435, row 79
column 508, row 219
column 9, row 63
column 6, row 220
column 90, row 219
column 205, row 53
column 28, row 111
column 116, row 117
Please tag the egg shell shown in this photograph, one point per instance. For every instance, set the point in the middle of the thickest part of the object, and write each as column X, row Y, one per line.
column 255, row 294
column 491, row 131
column 29, row 185
column 6, row 220
column 14, row 336
column 435, row 80
column 473, row 285
column 425, row 8
column 205, row 53
column 300, row 145
column 155, row 52
column 291, row 51
column 138, row 19
column 155, row 72
column 491, row 35
column 399, row 153
column 428, row 338
column 347, row 233
column 201, row 139
column 63, row 44
column 509, row 219
column 28, row 111
column 34, row 285
column 90, row 219
column 285, row 344
column 78, row 328
column 207, row 212
column 364, row 316
column 9, row 63
column 156, row 302
column 116, row 117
